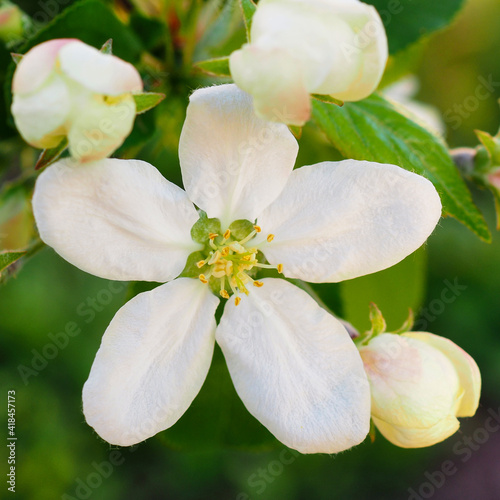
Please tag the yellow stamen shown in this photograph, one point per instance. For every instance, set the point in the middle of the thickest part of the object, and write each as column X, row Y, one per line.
column 257, row 229
column 203, row 279
column 200, row 264
column 270, row 237
column 279, row 267
column 227, row 234
column 212, row 236
column 224, row 251
column 237, row 300
column 258, row 284
column 224, row 294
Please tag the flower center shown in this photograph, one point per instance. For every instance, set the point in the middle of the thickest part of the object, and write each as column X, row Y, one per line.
column 230, row 261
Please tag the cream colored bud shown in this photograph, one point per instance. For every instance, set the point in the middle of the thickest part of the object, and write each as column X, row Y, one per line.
column 65, row 88
column 420, row 383
column 303, row 47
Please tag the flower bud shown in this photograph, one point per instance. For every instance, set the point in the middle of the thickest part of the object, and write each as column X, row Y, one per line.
column 65, row 88
column 11, row 22
column 302, row 47
column 420, row 383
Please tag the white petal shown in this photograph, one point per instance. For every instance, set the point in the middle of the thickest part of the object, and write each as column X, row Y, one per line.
column 340, row 47
column 117, row 219
column 369, row 46
column 36, row 65
column 233, row 163
column 466, row 367
column 316, row 36
column 101, row 73
column 296, row 369
column 340, row 220
column 41, row 115
column 275, row 80
column 153, row 360
column 99, row 126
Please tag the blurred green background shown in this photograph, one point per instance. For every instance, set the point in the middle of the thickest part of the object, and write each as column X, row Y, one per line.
column 58, row 454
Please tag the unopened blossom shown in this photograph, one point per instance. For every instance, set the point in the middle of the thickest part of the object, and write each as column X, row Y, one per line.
column 11, row 22
column 303, row 47
column 420, row 383
column 65, row 88
column 293, row 364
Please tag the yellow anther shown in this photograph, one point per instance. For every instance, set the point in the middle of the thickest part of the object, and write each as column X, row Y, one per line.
column 224, row 294
column 203, row 279
column 257, row 229
column 247, row 257
column 200, row 264
column 212, row 236
column 224, row 251
column 279, row 267
column 258, row 284
column 237, row 300
column 227, row 234
column 270, row 237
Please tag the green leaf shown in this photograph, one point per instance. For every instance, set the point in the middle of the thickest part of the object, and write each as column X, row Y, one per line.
column 49, row 156
column 218, row 66
column 394, row 290
column 406, row 21
column 147, row 100
column 94, row 23
column 248, row 7
column 373, row 130
column 9, row 257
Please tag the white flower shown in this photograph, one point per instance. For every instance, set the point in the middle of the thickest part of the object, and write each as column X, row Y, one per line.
column 302, row 47
column 65, row 88
column 420, row 384
column 293, row 365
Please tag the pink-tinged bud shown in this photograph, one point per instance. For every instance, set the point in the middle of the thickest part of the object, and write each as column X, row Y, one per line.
column 65, row 88
column 11, row 22
column 304, row 47
column 494, row 179
column 420, row 383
